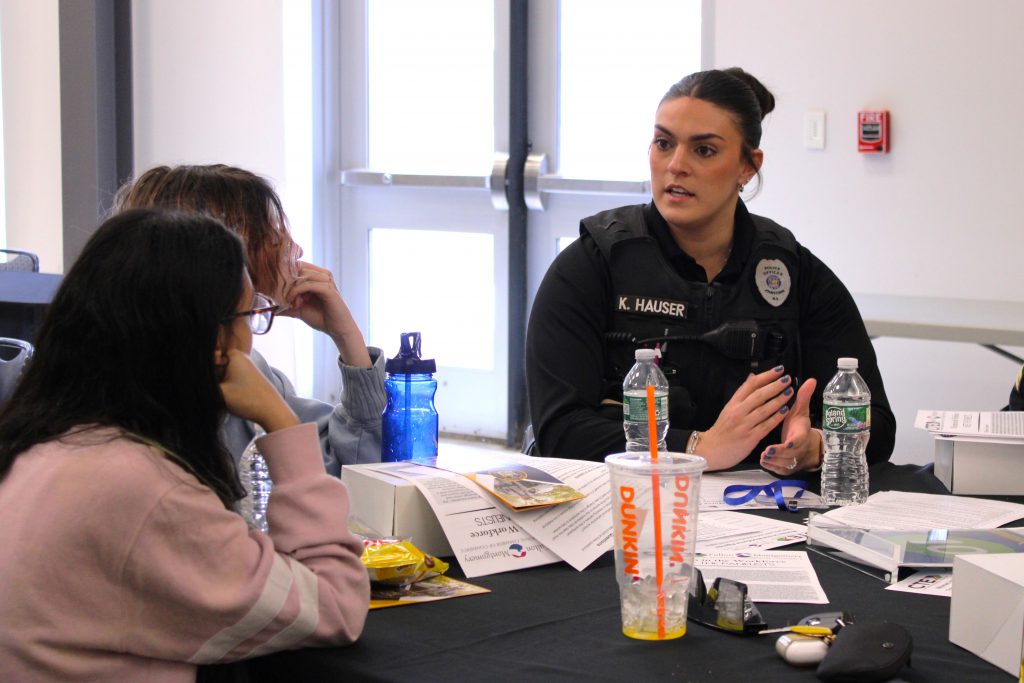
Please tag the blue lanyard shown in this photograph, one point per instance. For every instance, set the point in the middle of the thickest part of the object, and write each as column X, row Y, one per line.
column 738, row 494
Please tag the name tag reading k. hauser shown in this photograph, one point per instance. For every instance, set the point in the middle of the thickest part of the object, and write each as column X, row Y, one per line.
column 631, row 303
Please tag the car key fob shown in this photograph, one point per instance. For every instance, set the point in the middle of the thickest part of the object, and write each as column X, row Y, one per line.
column 801, row 650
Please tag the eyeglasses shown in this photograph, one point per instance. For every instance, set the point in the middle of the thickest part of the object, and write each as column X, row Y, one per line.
column 261, row 315
column 725, row 606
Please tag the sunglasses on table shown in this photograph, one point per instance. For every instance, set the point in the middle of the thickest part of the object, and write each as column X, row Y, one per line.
column 261, row 315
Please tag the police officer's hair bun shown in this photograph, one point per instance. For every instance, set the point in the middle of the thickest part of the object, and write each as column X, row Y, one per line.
column 765, row 100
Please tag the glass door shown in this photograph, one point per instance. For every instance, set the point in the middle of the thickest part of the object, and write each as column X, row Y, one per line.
column 598, row 69
column 424, row 244
column 432, row 219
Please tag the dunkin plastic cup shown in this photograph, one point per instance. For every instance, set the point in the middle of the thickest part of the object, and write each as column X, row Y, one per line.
column 654, row 511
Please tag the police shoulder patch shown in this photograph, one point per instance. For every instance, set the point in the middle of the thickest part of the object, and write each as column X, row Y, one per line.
column 773, row 281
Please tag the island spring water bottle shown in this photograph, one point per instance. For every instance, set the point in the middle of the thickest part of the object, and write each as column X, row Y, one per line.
column 634, row 402
column 846, row 428
column 409, row 420
column 255, row 478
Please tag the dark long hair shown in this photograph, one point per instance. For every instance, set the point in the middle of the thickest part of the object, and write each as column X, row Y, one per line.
column 129, row 342
column 735, row 91
column 245, row 202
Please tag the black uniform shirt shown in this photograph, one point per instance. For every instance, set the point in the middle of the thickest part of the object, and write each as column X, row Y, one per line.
column 685, row 265
column 565, row 351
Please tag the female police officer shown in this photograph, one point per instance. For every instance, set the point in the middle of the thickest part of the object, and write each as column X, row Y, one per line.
column 739, row 309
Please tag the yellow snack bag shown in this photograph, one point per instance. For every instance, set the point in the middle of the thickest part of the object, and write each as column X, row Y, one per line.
column 395, row 562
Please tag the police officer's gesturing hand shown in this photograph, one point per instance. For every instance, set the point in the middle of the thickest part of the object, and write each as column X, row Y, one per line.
column 801, row 444
column 757, row 407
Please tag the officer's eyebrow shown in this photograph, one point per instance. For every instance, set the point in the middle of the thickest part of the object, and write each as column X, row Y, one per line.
column 693, row 138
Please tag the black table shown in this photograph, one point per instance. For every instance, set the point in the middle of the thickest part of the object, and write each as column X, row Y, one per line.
column 554, row 623
column 24, row 298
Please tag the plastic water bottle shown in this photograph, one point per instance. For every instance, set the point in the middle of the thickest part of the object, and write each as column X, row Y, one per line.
column 409, row 420
column 255, row 478
column 846, row 426
column 634, row 402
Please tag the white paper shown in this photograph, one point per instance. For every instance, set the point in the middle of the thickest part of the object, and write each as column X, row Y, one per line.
column 739, row 532
column 713, row 485
column 484, row 538
column 914, row 511
column 1000, row 424
column 580, row 531
column 772, row 576
column 926, row 583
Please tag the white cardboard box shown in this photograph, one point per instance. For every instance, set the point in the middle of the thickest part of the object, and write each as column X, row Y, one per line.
column 391, row 505
column 967, row 466
column 986, row 615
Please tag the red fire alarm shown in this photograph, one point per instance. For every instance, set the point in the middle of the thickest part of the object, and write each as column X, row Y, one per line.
column 873, row 132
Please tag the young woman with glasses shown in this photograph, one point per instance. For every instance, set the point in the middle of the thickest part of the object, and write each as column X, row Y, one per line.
column 261, row 315
column 248, row 205
column 122, row 556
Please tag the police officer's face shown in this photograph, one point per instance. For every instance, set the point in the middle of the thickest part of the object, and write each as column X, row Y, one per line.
column 697, row 164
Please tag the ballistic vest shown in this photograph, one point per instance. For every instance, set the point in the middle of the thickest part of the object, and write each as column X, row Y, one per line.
column 652, row 304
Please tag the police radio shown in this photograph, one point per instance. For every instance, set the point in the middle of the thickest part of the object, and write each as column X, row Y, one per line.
column 737, row 339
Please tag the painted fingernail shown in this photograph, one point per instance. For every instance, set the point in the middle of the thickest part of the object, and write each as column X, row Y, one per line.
column 767, row 455
column 783, row 410
column 786, row 379
column 788, row 391
column 778, row 368
column 789, row 445
column 771, row 451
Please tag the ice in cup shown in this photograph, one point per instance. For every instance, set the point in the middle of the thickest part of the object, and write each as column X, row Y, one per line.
column 654, row 512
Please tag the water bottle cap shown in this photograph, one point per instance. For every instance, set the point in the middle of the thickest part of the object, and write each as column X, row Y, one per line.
column 644, row 354
column 847, row 363
column 408, row 361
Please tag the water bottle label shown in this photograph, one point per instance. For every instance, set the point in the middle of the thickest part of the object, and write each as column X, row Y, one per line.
column 844, row 418
column 634, row 408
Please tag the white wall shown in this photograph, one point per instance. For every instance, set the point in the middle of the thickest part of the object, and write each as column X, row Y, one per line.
column 31, row 120
column 209, row 87
column 939, row 215
column 208, row 83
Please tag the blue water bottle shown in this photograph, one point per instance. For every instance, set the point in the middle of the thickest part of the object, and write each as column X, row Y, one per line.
column 409, row 421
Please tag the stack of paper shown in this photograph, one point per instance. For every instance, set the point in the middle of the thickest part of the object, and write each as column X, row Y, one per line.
column 894, row 530
column 989, row 425
column 487, row 536
column 977, row 453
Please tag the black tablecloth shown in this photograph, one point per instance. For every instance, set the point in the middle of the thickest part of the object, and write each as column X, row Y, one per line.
column 554, row 623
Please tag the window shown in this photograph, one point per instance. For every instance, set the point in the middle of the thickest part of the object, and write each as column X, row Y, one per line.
column 424, row 125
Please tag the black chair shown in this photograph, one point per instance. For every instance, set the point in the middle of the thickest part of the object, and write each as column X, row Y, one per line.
column 18, row 260
column 14, row 354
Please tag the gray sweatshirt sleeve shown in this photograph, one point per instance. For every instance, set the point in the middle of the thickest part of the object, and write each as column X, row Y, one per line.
column 349, row 432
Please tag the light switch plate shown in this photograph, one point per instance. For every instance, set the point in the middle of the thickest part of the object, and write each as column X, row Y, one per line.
column 814, row 130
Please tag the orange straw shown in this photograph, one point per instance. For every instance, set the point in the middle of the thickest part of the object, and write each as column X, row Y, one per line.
column 659, row 572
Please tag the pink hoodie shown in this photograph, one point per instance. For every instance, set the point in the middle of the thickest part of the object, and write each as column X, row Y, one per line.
column 117, row 564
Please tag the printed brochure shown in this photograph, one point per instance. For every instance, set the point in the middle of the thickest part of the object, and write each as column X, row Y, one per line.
column 428, row 590
column 516, row 484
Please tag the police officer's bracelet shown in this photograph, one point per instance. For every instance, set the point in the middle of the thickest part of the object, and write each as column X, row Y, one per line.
column 691, row 445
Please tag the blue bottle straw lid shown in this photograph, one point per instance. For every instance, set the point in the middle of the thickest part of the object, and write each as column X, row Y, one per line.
column 408, row 361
